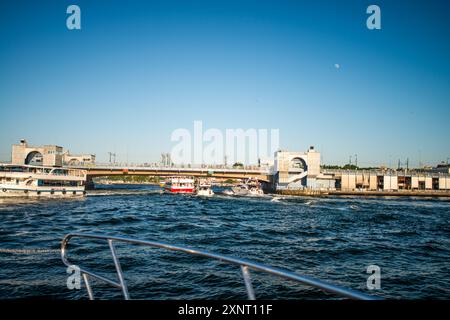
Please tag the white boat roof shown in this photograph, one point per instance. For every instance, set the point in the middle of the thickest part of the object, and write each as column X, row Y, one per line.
column 181, row 180
column 10, row 165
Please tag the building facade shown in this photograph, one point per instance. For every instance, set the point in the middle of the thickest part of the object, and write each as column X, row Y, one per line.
column 48, row 155
column 360, row 180
column 78, row 159
column 300, row 170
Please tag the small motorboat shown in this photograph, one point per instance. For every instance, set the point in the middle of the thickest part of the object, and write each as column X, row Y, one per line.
column 251, row 187
column 228, row 192
column 255, row 191
column 204, row 189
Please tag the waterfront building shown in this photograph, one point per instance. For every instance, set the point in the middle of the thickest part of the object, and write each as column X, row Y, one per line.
column 302, row 171
column 350, row 180
column 78, row 159
column 47, row 155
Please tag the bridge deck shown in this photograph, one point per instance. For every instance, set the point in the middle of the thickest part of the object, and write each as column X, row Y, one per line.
column 97, row 171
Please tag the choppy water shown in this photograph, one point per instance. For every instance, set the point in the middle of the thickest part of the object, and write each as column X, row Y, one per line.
column 334, row 239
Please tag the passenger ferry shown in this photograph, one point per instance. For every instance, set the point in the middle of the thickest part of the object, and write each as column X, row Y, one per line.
column 26, row 180
column 179, row 185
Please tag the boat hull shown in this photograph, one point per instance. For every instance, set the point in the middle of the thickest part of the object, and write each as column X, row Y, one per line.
column 8, row 191
column 205, row 193
column 180, row 190
column 246, row 192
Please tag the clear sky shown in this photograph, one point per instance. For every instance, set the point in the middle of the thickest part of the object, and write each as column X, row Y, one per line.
column 137, row 70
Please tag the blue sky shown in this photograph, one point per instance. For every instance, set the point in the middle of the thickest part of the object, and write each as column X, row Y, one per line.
column 140, row 69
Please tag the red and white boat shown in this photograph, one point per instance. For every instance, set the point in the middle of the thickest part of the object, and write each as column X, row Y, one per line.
column 180, row 185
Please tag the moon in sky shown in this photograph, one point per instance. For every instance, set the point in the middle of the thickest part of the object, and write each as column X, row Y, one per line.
column 337, row 65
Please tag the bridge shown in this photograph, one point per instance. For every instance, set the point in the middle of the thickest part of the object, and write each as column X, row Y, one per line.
column 296, row 170
column 262, row 174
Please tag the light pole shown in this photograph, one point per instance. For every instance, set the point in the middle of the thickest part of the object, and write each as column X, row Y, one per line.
column 112, row 156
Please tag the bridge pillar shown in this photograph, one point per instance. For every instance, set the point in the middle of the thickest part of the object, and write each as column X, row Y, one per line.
column 89, row 183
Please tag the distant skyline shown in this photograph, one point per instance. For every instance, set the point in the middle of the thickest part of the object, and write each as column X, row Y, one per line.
column 138, row 70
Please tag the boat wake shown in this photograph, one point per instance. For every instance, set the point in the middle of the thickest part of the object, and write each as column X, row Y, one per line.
column 122, row 193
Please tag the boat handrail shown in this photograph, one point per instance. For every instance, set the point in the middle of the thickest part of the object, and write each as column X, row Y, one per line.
column 245, row 266
column 44, row 171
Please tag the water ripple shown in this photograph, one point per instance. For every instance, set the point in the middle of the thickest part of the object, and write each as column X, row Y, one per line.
column 334, row 239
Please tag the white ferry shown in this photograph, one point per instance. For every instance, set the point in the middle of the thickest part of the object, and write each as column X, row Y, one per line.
column 25, row 180
column 179, row 185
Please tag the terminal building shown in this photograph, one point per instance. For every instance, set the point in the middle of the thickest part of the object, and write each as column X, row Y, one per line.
column 359, row 180
column 47, row 155
column 302, row 171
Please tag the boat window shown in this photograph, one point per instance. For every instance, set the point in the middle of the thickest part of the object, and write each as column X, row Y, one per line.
column 59, row 172
column 58, row 183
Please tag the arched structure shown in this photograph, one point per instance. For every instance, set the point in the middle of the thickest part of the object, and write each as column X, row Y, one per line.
column 296, row 170
column 298, row 163
column 48, row 155
column 73, row 162
column 34, row 158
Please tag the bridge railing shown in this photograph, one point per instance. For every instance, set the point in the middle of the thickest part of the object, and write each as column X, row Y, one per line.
column 155, row 166
column 245, row 266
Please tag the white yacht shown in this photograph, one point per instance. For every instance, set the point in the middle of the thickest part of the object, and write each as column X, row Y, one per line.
column 251, row 187
column 203, row 188
column 25, row 180
column 228, row 192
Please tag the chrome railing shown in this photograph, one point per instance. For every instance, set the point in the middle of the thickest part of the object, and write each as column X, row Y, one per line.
column 244, row 265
